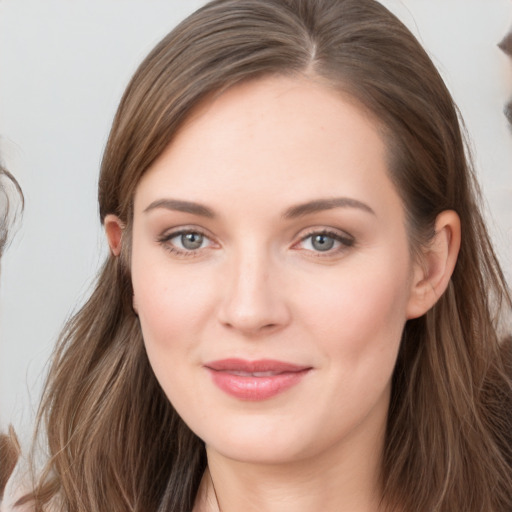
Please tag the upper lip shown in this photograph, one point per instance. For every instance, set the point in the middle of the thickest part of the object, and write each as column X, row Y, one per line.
column 257, row 366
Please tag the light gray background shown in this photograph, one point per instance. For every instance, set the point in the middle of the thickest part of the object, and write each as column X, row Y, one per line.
column 63, row 67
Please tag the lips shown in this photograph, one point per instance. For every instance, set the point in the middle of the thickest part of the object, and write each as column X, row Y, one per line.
column 255, row 380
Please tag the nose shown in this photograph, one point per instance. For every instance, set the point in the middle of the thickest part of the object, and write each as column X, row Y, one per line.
column 253, row 298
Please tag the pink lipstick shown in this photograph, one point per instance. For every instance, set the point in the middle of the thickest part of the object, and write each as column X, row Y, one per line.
column 255, row 380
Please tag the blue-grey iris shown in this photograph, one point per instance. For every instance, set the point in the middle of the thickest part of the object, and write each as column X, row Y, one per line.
column 322, row 242
column 192, row 241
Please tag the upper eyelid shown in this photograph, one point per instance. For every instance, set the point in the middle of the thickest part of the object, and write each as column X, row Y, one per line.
column 329, row 231
column 169, row 233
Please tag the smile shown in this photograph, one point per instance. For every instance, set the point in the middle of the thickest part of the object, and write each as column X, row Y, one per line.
column 255, row 380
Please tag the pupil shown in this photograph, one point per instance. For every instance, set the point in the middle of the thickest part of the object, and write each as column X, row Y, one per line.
column 192, row 240
column 322, row 242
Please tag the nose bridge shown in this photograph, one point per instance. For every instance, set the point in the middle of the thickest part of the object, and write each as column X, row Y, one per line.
column 252, row 300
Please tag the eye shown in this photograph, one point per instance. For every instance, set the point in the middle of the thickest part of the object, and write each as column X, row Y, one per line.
column 185, row 242
column 189, row 241
column 325, row 242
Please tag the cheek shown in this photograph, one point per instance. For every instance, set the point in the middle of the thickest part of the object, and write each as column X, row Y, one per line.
column 358, row 319
column 163, row 302
column 169, row 305
column 169, row 309
column 359, row 301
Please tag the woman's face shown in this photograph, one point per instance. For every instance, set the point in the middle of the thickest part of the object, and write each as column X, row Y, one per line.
column 272, row 273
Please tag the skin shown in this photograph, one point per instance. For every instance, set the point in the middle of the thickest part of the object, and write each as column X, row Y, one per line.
column 259, row 286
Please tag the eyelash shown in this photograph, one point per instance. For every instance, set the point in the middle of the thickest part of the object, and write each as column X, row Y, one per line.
column 344, row 241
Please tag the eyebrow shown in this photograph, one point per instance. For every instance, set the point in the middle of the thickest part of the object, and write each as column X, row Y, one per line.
column 181, row 206
column 319, row 205
column 293, row 212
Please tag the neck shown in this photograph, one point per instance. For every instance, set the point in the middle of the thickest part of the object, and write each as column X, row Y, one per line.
column 333, row 481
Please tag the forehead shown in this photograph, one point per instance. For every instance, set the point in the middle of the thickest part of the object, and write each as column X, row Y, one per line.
column 288, row 137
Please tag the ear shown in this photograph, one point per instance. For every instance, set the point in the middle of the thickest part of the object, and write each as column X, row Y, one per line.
column 431, row 275
column 114, row 231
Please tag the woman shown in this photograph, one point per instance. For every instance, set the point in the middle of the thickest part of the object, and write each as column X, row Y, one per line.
column 301, row 309
column 9, row 448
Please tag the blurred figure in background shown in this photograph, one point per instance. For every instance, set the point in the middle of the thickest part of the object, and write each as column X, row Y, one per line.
column 11, row 206
column 506, row 46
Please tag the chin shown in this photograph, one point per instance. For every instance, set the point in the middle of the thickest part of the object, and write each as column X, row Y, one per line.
column 262, row 452
column 259, row 442
column 254, row 441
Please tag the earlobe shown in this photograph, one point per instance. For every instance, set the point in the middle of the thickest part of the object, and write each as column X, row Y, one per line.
column 114, row 231
column 432, row 274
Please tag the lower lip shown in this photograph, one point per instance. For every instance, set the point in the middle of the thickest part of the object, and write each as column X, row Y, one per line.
column 255, row 388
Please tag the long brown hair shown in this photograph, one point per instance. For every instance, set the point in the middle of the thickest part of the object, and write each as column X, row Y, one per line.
column 115, row 442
